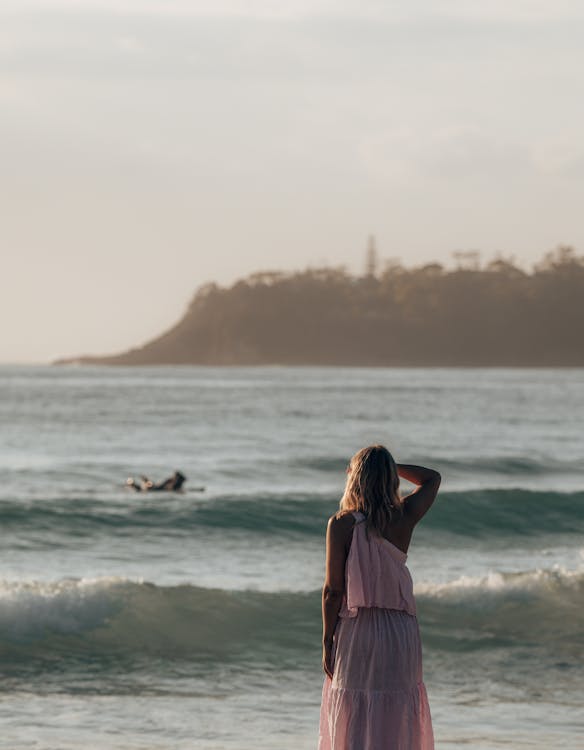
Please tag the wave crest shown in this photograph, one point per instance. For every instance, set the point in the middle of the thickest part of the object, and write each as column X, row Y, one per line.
column 478, row 513
column 111, row 617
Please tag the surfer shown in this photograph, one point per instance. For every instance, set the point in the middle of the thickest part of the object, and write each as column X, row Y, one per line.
column 174, row 483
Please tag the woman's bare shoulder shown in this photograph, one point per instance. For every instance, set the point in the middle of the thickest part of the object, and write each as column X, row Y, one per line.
column 342, row 523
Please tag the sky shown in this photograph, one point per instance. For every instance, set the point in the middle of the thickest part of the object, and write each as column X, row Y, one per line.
column 150, row 146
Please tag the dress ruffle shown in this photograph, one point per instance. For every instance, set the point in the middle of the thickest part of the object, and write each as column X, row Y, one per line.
column 370, row 720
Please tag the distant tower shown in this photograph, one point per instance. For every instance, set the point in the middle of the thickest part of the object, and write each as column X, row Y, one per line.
column 371, row 258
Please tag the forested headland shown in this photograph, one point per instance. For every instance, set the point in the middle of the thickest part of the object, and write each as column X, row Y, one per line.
column 491, row 315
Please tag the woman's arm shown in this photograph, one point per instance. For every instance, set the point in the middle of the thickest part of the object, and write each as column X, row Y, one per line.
column 418, row 503
column 338, row 537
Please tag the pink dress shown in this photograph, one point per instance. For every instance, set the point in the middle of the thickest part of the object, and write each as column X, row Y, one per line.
column 376, row 699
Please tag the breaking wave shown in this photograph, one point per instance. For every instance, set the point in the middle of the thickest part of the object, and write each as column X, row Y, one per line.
column 113, row 618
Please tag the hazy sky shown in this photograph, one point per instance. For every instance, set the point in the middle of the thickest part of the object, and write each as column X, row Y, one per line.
column 149, row 146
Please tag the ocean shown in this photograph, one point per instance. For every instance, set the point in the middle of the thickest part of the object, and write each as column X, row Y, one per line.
column 173, row 621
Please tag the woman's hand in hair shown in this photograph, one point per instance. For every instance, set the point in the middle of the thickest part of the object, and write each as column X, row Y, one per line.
column 417, row 475
column 427, row 482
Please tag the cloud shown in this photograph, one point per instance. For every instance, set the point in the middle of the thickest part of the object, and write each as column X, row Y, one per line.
column 466, row 153
column 129, row 44
column 447, row 155
column 561, row 159
column 526, row 11
column 237, row 8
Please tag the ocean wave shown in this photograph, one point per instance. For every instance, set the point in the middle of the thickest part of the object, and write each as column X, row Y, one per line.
column 543, row 607
column 112, row 618
column 507, row 466
column 326, row 464
column 476, row 514
column 507, row 512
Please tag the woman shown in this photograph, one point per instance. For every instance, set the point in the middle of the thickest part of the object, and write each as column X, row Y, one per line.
column 373, row 696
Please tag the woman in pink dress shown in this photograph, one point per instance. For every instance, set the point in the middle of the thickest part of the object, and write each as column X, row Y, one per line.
column 374, row 696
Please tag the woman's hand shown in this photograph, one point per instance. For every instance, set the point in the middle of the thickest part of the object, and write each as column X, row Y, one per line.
column 427, row 482
column 327, row 658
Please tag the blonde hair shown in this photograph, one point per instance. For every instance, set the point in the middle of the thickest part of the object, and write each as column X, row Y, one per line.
column 373, row 487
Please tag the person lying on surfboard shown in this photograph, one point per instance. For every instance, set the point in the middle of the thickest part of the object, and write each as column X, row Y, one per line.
column 172, row 484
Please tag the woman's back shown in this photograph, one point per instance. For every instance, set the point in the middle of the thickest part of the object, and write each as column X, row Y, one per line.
column 376, row 573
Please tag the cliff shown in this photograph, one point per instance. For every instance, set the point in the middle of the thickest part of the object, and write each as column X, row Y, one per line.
column 425, row 316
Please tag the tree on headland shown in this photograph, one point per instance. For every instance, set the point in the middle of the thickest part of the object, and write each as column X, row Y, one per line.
column 494, row 315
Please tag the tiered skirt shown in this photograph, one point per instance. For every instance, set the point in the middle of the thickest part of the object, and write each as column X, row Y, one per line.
column 377, row 699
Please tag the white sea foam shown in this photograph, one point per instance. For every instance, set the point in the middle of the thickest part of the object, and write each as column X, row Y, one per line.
column 496, row 582
column 30, row 608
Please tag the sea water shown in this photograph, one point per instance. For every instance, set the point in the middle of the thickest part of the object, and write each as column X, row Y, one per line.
column 192, row 620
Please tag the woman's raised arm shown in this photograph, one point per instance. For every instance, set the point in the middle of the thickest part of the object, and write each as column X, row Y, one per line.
column 418, row 503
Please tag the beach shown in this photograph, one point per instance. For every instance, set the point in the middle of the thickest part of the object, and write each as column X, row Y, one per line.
column 192, row 620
